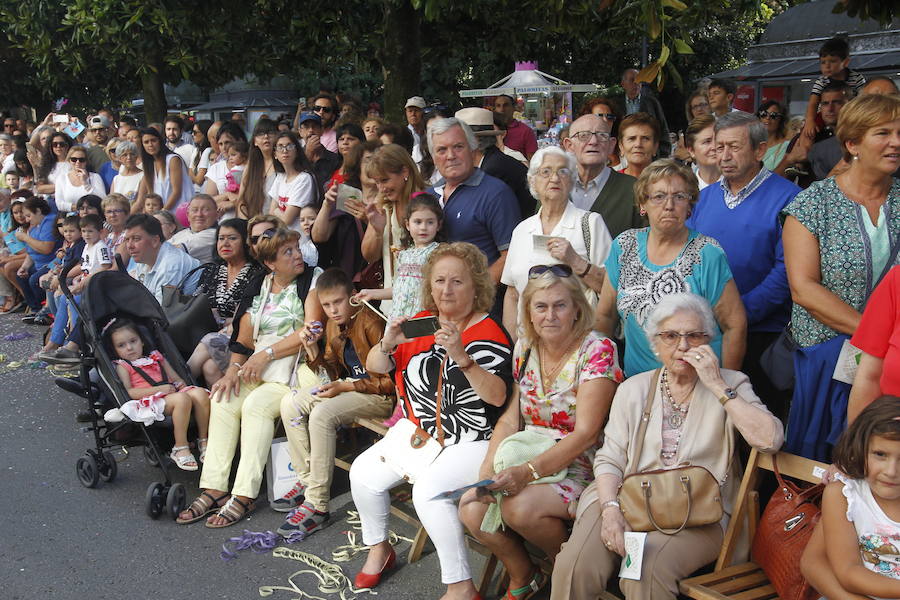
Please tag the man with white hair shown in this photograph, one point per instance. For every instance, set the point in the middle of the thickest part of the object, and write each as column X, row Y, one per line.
column 743, row 213
column 478, row 208
column 199, row 240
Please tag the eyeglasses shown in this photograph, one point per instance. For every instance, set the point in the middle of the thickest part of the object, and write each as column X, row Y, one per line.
column 608, row 116
column 324, row 109
column 76, row 159
column 585, row 136
column 114, row 211
column 673, row 338
column 96, row 129
column 559, row 270
column 677, row 198
column 285, row 147
column 266, row 235
column 772, row 115
column 59, row 145
column 547, row 173
column 267, row 134
column 9, row 125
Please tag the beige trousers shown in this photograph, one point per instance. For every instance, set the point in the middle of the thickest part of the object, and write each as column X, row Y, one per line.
column 250, row 417
column 584, row 565
column 311, row 424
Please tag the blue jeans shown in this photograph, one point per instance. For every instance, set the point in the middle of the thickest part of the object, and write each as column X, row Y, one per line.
column 31, row 289
column 65, row 316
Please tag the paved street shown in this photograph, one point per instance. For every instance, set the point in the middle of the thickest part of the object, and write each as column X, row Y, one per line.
column 63, row 541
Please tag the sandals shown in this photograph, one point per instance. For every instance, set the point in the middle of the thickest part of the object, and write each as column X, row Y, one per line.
column 231, row 513
column 537, row 583
column 202, row 444
column 184, row 462
column 205, row 504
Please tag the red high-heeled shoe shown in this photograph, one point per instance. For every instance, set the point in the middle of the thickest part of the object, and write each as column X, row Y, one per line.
column 370, row 580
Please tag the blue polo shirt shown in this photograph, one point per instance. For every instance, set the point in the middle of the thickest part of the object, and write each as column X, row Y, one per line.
column 45, row 232
column 483, row 211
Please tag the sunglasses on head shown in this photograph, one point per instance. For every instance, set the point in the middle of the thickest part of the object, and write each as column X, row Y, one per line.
column 265, row 235
column 560, row 270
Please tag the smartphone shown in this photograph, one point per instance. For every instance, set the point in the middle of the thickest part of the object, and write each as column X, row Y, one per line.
column 61, row 119
column 420, row 327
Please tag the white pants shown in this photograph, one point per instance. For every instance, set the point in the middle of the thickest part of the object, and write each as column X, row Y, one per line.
column 458, row 465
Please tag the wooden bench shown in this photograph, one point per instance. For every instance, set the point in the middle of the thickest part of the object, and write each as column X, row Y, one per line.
column 402, row 511
column 747, row 581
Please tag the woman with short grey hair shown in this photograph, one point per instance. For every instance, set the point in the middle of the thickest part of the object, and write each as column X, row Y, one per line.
column 559, row 233
column 698, row 413
column 129, row 177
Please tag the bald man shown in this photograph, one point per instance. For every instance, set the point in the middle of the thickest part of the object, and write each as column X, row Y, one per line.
column 880, row 84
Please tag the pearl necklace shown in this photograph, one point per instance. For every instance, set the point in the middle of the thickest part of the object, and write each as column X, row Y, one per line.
column 679, row 411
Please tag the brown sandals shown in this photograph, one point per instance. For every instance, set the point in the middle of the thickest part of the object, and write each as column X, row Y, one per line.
column 233, row 511
column 205, row 504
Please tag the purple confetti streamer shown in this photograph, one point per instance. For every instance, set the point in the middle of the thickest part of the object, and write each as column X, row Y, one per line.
column 14, row 337
column 257, row 542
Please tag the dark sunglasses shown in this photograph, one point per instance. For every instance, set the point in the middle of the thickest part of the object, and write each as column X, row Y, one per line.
column 772, row 115
column 559, row 270
column 76, row 159
column 326, row 109
column 59, row 145
column 607, row 116
column 266, row 235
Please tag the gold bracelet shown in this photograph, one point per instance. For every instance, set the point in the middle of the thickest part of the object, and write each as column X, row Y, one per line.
column 534, row 474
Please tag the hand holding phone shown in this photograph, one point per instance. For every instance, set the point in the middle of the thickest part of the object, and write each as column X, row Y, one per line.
column 63, row 119
column 420, row 327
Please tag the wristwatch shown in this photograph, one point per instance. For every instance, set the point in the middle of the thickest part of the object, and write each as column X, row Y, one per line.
column 271, row 352
column 728, row 394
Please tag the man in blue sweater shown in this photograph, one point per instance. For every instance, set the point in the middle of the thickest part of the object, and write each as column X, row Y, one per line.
column 742, row 213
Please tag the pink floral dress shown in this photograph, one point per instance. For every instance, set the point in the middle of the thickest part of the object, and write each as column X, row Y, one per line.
column 552, row 413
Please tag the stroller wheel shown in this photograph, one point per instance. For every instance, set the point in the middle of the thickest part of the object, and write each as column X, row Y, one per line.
column 87, row 470
column 109, row 468
column 176, row 500
column 150, row 456
column 155, row 499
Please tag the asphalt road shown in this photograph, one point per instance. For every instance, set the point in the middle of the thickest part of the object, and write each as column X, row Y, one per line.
column 60, row 540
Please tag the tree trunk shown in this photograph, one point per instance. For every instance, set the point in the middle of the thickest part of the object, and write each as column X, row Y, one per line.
column 155, row 105
column 401, row 58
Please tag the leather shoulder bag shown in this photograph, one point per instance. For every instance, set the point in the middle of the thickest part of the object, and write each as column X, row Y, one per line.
column 668, row 500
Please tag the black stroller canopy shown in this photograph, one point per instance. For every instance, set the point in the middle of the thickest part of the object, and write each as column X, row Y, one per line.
column 112, row 292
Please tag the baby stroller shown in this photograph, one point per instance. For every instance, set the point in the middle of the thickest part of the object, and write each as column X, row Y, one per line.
column 108, row 295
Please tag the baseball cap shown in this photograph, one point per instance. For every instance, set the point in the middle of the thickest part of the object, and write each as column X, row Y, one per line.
column 309, row 116
column 417, row 101
column 98, row 121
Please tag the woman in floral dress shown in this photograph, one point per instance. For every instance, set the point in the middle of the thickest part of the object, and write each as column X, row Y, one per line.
column 561, row 368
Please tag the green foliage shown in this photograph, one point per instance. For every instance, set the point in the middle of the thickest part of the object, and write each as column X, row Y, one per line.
column 882, row 11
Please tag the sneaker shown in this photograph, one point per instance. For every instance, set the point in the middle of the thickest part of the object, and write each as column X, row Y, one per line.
column 43, row 320
column 291, row 500
column 305, row 520
column 61, row 356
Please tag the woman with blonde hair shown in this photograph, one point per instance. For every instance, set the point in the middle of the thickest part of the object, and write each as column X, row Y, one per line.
column 397, row 178
column 558, row 364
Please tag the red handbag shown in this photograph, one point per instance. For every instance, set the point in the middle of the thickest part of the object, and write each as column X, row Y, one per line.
column 784, row 529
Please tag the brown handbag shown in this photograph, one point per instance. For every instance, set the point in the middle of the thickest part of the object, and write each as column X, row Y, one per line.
column 668, row 500
column 784, row 529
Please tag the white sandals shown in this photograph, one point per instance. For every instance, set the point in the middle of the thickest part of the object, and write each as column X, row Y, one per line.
column 185, row 462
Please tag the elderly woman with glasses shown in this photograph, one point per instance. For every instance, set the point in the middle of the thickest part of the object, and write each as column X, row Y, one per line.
column 129, row 178
column 77, row 182
column 645, row 265
column 559, row 232
column 558, row 364
column 698, row 413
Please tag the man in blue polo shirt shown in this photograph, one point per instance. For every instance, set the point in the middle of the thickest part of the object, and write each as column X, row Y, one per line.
column 478, row 208
column 742, row 212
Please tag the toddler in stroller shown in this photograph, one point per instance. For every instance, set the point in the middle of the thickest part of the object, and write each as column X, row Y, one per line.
column 155, row 391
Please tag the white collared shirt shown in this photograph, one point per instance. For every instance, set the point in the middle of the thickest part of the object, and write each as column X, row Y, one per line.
column 732, row 201
column 583, row 196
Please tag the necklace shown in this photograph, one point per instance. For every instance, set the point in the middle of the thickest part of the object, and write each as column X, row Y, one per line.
column 550, row 375
column 679, row 411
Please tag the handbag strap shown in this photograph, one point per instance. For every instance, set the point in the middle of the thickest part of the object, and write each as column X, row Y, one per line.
column 586, row 233
column 439, row 425
column 645, row 417
column 180, row 286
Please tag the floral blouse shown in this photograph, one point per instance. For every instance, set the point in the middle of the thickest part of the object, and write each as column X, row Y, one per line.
column 282, row 313
column 845, row 250
column 550, row 410
column 222, row 297
column 407, row 286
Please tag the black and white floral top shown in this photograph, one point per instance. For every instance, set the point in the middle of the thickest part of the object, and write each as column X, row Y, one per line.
column 222, row 297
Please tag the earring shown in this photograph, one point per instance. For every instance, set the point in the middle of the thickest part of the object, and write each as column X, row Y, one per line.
column 643, row 213
column 405, row 179
column 856, row 157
